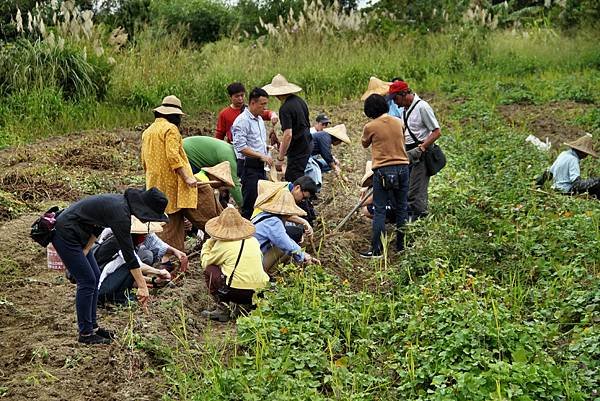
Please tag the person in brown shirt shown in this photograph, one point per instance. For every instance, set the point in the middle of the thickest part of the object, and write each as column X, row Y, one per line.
column 390, row 171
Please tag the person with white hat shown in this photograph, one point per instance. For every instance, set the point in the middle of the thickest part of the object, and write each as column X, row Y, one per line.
column 116, row 282
column 232, row 263
column 293, row 116
column 323, row 141
column 168, row 168
column 565, row 171
column 277, row 204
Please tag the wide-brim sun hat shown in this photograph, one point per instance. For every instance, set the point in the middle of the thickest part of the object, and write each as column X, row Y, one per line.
column 339, row 131
column 137, row 227
column 376, row 86
column 367, row 179
column 147, row 205
column 170, row 105
column 584, row 144
column 229, row 226
column 268, row 189
column 221, row 172
column 280, row 86
column 282, row 203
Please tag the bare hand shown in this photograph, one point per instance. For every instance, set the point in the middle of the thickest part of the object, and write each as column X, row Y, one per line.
column 191, row 181
column 308, row 230
column 274, row 119
column 164, row 274
column 268, row 160
column 143, row 296
column 274, row 139
column 183, row 260
column 311, row 260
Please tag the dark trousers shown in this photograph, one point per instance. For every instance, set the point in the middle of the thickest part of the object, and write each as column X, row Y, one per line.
column 591, row 186
column 87, row 275
column 116, row 287
column 382, row 197
column 296, row 164
column 250, row 171
column 215, row 279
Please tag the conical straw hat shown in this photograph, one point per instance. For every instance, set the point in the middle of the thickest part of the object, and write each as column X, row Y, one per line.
column 584, row 144
column 280, row 86
column 268, row 189
column 221, row 172
column 137, row 227
column 376, row 85
column 339, row 131
column 282, row 203
column 367, row 178
column 229, row 226
column 170, row 105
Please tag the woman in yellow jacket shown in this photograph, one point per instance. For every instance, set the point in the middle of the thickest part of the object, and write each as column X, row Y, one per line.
column 232, row 263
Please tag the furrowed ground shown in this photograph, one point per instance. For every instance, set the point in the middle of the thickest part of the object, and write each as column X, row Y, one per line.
column 497, row 297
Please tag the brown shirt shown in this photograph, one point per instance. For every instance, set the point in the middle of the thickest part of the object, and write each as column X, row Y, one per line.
column 386, row 135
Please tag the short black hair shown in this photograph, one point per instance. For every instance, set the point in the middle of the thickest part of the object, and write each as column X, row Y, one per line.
column 256, row 93
column 375, row 106
column 307, row 184
column 235, row 87
column 396, row 79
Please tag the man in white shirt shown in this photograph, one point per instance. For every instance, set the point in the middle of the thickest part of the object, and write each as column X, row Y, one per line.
column 421, row 131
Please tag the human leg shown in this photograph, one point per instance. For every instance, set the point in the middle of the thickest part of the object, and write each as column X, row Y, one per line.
column 418, row 190
column 86, row 278
column 295, row 166
column 380, row 200
column 252, row 171
column 401, row 205
column 115, row 286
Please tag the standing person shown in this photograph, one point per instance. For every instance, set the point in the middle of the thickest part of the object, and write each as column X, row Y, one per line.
column 293, row 113
column 204, row 151
column 394, row 110
column 76, row 230
column 250, row 145
column 232, row 263
column 390, row 171
column 421, row 124
column 168, row 168
column 227, row 116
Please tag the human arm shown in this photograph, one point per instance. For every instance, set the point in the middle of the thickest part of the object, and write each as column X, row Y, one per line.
column 173, row 152
column 221, row 130
column 367, row 137
column 142, row 289
column 210, row 254
column 429, row 120
column 269, row 115
column 275, row 232
column 308, row 230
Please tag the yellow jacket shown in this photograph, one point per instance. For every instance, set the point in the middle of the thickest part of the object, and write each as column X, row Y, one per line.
column 249, row 274
column 162, row 154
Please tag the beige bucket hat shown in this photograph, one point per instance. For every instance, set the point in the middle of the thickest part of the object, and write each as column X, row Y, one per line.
column 377, row 86
column 137, row 227
column 280, row 86
column 229, row 226
column 367, row 179
column 170, row 105
column 282, row 203
column 268, row 189
column 584, row 144
column 221, row 172
column 339, row 131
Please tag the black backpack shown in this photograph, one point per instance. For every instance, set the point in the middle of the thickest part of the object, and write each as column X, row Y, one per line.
column 43, row 227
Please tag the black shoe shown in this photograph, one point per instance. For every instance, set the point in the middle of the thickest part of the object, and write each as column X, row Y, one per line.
column 370, row 255
column 92, row 339
column 104, row 333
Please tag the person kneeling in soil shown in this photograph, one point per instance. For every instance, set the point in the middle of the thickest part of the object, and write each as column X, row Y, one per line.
column 232, row 264
column 368, row 208
column 565, row 172
column 75, row 232
column 390, row 171
column 276, row 239
column 116, row 282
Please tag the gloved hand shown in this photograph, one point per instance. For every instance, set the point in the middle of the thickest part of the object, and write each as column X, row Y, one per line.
column 414, row 155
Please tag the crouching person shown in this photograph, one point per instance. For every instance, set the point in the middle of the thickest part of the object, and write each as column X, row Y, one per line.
column 278, row 241
column 116, row 281
column 232, row 264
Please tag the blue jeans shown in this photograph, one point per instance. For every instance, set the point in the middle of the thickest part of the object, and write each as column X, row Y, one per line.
column 85, row 271
column 381, row 197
